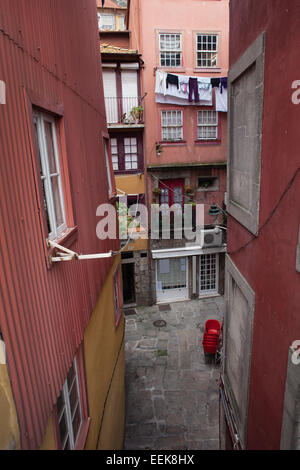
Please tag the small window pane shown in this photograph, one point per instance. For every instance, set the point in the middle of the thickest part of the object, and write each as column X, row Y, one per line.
column 76, row 423
column 50, row 147
column 63, row 427
column 57, row 201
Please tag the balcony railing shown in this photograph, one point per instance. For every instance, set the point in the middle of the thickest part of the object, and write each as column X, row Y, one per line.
column 125, row 110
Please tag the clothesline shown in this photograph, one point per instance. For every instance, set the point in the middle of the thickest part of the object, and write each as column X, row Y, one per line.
column 187, row 90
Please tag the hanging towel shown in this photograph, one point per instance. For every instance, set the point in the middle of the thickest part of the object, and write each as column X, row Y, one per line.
column 221, row 100
column 172, row 80
column 160, row 85
column 204, row 89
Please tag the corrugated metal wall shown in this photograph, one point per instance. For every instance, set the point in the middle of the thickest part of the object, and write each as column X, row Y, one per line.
column 50, row 47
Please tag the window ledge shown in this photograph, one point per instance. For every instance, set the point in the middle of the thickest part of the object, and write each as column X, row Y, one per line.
column 171, row 69
column 207, row 69
column 166, row 143
column 138, row 171
column 66, row 239
column 208, row 142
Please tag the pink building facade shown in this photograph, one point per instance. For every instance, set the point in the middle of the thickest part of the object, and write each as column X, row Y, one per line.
column 185, row 136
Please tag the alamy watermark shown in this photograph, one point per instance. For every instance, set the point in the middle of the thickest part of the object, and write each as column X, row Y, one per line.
column 125, row 222
column 296, row 354
column 296, row 94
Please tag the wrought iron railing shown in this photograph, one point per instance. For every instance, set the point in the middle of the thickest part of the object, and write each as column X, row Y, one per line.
column 125, row 110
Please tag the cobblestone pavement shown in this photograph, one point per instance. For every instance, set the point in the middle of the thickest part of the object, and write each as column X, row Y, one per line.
column 171, row 392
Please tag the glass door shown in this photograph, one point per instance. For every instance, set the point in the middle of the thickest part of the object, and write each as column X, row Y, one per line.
column 172, row 279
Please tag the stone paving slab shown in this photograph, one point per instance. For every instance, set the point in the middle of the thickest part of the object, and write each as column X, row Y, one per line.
column 171, row 390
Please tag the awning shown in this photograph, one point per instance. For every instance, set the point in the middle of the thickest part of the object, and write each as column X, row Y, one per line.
column 187, row 251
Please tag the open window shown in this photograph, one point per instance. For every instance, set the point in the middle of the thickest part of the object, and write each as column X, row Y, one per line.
column 50, row 173
column 71, row 410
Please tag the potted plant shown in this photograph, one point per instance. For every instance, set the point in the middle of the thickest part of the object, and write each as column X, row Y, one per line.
column 156, row 191
column 189, row 190
column 136, row 113
column 158, row 148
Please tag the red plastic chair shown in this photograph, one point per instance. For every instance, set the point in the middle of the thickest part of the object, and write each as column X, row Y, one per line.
column 211, row 336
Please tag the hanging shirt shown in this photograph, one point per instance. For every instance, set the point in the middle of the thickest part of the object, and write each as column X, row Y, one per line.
column 215, row 82
column 172, row 80
column 161, row 82
column 223, row 84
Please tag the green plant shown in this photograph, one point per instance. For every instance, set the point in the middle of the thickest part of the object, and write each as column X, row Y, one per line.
column 137, row 113
column 158, row 148
column 156, row 191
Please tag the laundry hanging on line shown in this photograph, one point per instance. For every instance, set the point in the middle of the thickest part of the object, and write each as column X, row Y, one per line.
column 169, row 92
column 185, row 90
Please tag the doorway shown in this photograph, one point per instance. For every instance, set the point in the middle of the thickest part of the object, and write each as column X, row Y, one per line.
column 171, row 279
column 128, row 283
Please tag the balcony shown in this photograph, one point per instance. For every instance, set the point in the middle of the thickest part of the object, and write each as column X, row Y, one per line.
column 124, row 112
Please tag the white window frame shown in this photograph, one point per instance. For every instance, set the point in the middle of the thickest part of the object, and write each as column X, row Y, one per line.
column 106, row 27
column 39, row 119
column 118, row 22
column 114, row 153
column 206, row 51
column 67, row 408
column 170, row 51
column 131, row 160
column 172, row 128
column 208, row 124
column 214, row 290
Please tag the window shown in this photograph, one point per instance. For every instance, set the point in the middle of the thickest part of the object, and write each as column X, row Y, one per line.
column 118, row 296
column 114, row 154
column 69, row 410
column 207, row 50
column 127, row 153
column 171, row 125
column 108, row 167
column 111, row 22
column 170, row 50
column 131, row 157
column 208, row 183
column 50, row 173
column 207, row 125
column 208, row 273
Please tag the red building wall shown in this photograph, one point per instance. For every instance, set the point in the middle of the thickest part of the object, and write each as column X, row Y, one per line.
column 268, row 262
column 52, row 51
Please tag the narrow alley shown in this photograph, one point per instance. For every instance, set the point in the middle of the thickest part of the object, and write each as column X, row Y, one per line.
column 171, row 393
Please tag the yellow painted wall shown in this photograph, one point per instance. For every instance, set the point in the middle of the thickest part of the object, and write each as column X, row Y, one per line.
column 131, row 184
column 104, row 360
column 105, row 369
column 9, row 429
column 49, row 439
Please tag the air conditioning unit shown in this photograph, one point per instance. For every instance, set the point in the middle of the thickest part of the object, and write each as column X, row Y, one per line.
column 211, row 237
